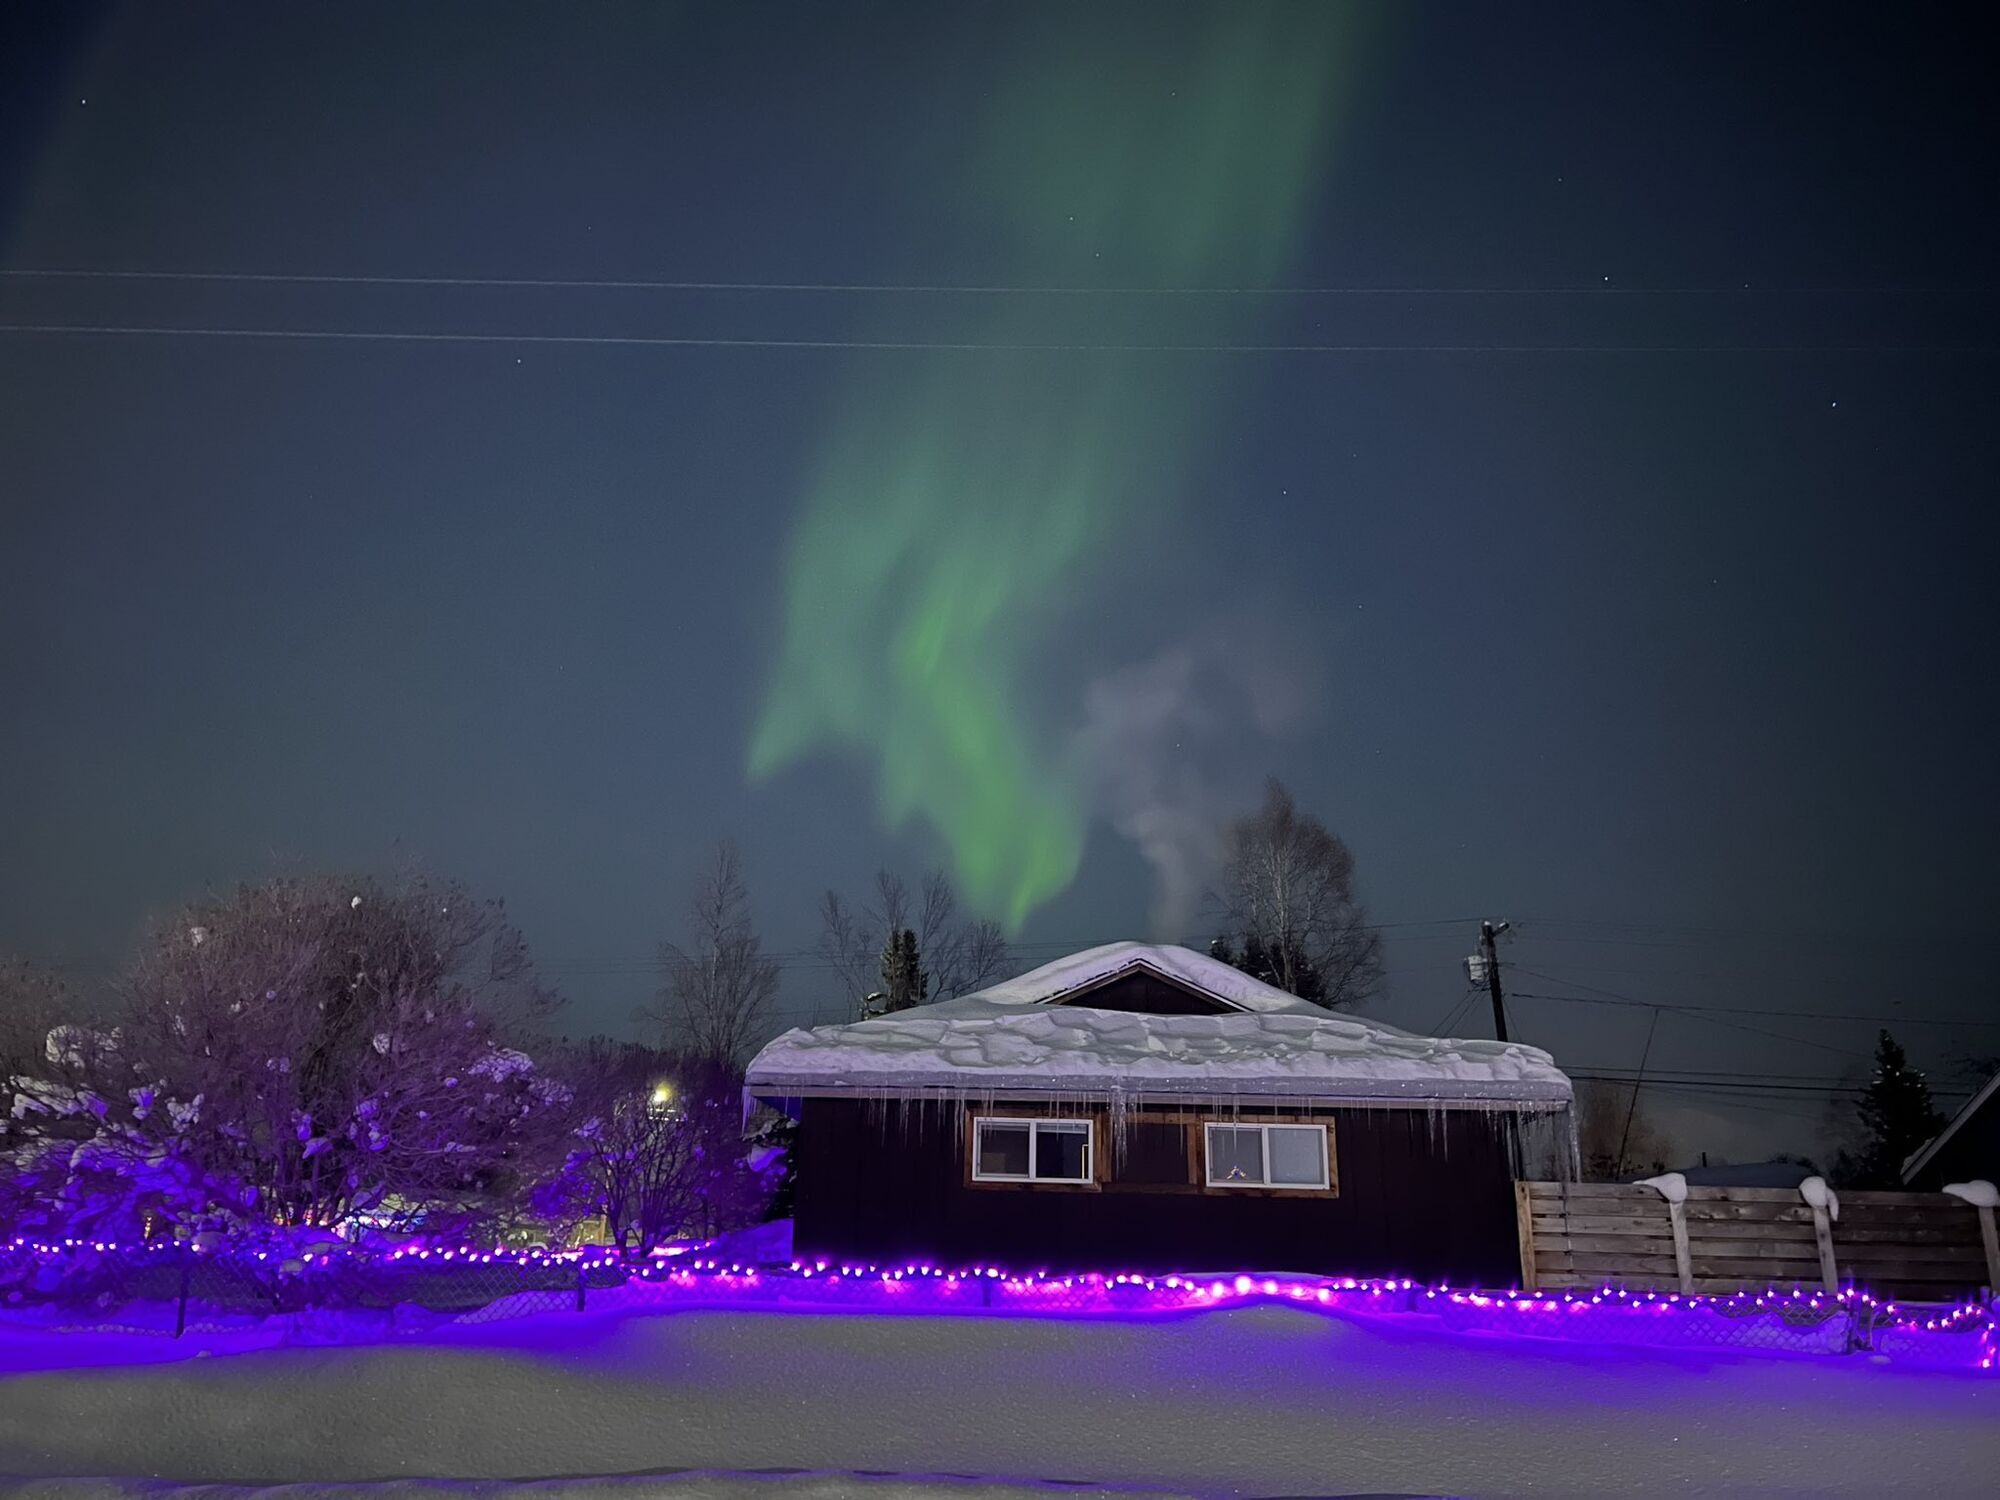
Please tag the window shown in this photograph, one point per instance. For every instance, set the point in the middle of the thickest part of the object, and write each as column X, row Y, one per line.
column 1278, row 1156
column 1031, row 1151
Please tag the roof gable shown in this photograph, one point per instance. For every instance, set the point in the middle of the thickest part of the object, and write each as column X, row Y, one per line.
column 1229, row 987
column 1143, row 989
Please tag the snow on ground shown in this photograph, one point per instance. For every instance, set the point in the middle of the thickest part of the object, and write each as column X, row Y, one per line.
column 1261, row 1400
column 1001, row 1039
column 693, row 1485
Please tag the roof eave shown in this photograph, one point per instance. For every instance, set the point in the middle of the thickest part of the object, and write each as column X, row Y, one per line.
column 1525, row 1096
column 1937, row 1142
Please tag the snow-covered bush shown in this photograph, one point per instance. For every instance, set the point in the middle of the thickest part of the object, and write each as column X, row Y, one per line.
column 291, row 1055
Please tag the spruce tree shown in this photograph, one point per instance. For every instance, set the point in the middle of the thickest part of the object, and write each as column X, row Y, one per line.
column 904, row 982
column 1896, row 1114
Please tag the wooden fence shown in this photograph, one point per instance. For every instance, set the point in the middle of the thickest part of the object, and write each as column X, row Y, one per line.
column 1911, row 1246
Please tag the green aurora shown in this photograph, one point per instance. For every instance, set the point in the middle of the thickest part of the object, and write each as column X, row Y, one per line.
column 957, row 493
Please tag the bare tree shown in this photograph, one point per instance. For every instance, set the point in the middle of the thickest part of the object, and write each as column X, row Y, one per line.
column 958, row 954
column 1287, row 895
column 33, row 1002
column 717, row 990
column 658, row 1150
column 1616, row 1134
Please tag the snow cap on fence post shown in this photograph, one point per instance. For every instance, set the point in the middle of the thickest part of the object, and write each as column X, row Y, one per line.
column 1823, row 1198
column 1673, row 1187
column 1979, row 1192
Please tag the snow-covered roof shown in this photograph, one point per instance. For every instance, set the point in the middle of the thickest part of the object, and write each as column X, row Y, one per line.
column 1024, row 1038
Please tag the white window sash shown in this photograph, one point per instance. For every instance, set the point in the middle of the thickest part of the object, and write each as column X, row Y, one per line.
column 1324, row 1183
column 1035, row 1130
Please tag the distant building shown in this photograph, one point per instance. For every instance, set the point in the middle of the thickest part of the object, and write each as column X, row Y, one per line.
column 1756, row 1174
column 1966, row 1149
column 1139, row 1107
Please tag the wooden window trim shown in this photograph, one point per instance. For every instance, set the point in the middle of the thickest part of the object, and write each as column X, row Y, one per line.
column 1095, row 1119
column 1198, row 1158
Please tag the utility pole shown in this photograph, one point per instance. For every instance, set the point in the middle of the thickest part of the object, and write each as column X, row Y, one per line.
column 1488, row 931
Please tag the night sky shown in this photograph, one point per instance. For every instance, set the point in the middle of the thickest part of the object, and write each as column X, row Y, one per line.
column 1611, row 550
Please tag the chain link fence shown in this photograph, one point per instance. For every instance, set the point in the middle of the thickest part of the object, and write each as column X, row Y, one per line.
column 354, row 1295
column 178, row 1289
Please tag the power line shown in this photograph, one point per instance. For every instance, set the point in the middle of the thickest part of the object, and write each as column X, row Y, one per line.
column 1751, row 1075
column 881, row 288
column 675, row 341
column 1793, row 1109
column 1450, row 1017
column 1058, row 946
column 1751, row 1010
column 1719, row 1083
column 1709, row 1017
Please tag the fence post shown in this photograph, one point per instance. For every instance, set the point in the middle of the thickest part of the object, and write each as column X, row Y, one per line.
column 1673, row 1187
column 1825, row 1204
column 1860, row 1327
column 1524, row 1228
column 579, row 1286
column 181, row 1309
column 1983, row 1197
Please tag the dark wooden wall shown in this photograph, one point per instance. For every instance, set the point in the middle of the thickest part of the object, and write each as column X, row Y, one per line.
column 1429, row 1198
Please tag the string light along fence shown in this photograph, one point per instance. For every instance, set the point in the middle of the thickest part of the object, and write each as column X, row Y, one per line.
column 346, row 1293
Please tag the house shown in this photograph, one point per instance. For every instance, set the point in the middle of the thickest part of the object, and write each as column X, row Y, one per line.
column 1136, row 1107
column 1966, row 1150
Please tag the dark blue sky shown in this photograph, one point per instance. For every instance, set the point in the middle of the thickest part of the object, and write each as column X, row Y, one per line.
column 1680, row 659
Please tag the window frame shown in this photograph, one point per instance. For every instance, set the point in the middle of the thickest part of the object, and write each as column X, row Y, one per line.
column 1087, row 1127
column 1263, row 1129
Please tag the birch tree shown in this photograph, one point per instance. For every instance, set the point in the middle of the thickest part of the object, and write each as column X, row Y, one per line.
column 1288, row 900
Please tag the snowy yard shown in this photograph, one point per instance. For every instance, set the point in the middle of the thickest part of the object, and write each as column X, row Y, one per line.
column 1260, row 1400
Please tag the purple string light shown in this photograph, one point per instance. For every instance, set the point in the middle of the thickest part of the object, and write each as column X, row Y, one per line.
column 1120, row 1292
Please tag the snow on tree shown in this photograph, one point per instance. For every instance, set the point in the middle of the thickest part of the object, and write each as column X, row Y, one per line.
column 293, row 1054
